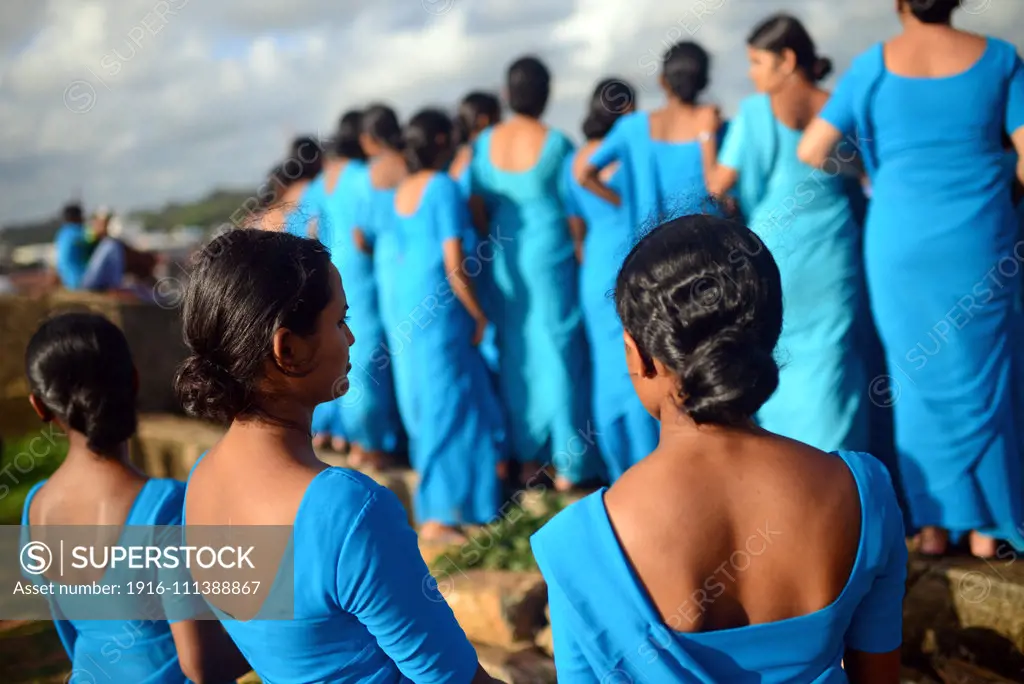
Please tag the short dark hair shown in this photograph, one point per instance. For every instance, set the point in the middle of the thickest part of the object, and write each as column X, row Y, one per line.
column 781, row 32
column 72, row 213
column 428, row 140
column 472, row 107
column 703, row 295
column 245, row 285
column 346, row 141
column 612, row 98
column 685, row 68
column 80, row 367
column 529, row 86
column 381, row 123
column 932, row 11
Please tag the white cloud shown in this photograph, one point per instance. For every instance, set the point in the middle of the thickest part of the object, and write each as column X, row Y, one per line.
column 138, row 102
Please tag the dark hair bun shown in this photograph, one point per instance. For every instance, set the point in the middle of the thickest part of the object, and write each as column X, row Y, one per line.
column 728, row 378
column 822, row 68
column 702, row 295
column 207, row 391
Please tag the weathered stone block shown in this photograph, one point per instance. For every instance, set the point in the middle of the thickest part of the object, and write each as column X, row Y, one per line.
column 523, row 665
column 495, row 607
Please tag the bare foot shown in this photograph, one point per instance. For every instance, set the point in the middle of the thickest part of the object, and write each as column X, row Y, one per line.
column 932, row 541
column 529, row 472
column 339, row 444
column 320, row 440
column 562, row 484
column 983, row 546
column 502, row 470
column 433, row 531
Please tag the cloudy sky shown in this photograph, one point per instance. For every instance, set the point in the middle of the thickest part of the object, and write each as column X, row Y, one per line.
column 134, row 103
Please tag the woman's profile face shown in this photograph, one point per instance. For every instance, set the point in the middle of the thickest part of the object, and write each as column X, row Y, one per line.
column 766, row 70
column 329, row 378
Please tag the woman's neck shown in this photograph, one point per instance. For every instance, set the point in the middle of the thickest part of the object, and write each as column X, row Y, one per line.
column 292, row 434
column 80, row 454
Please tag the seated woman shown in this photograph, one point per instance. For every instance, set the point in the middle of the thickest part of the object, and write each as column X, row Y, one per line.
column 729, row 554
column 82, row 378
column 265, row 321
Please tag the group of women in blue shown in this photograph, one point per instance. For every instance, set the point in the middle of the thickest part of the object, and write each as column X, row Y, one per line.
column 726, row 334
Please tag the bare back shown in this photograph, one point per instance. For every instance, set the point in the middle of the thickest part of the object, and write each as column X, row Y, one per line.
column 332, row 172
column 675, row 124
column 933, row 52
column 98, row 494
column 740, row 530
column 244, row 480
column 410, row 193
column 517, row 144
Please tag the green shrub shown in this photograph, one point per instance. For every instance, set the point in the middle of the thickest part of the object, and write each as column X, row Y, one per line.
column 24, row 462
column 504, row 544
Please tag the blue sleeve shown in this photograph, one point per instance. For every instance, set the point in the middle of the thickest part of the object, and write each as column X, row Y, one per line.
column 733, row 145
column 1015, row 98
column 394, row 596
column 450, row 212
column 69, row 248
column 615, row 145
column 572, row 207
column 877, row 622
column 570, row 662
column 840, row 110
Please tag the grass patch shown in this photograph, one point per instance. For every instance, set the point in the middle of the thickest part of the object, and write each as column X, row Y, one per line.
column 503, row 544
column 24, row 462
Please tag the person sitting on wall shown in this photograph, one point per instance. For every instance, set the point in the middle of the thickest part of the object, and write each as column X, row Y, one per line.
column 93, row 259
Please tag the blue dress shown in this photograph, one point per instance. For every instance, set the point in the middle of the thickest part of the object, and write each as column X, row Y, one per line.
column 365, row 607
column 544, row 368
column 335, row 214
column 626, row 432
column 944, row 277
column 479, row 264
column 452, row 415
column 807, row 219
column 71, row 253
column 93, row 644
column 606, row 628
column 369, row 409
column 665, row 179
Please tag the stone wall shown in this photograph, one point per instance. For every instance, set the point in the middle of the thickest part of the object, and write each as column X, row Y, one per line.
column 154, row 335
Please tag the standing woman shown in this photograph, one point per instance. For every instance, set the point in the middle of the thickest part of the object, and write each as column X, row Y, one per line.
column 344, row 172
column 928, row 109
column 373, row 196
column 83, row 380
column 517, row 172
column 809, row 221
column 661, row 150
column 477, row 112
column 603, row 236
column 264, row 320
column 454, row 437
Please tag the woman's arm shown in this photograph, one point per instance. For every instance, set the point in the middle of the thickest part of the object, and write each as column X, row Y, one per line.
column 206, row 653
column 359, row 238
column 478, row 215
column 718, row 179
column 818, row 142
column 462, row 285
column 590, row 179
